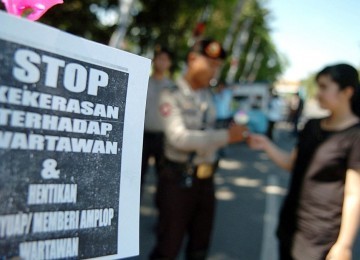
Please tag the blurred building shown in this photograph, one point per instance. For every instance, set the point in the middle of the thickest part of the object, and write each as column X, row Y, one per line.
column 245, row 95
column 284, row 87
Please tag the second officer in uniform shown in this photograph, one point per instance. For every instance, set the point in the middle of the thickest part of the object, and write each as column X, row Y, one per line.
column 186, row 188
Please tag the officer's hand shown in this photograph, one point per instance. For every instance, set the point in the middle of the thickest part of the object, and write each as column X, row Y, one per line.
column 237, row 133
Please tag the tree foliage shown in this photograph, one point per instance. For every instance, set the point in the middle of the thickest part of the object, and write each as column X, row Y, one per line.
column 81, row 18
column 271, row 63
column 172, row 23
column 167, row 22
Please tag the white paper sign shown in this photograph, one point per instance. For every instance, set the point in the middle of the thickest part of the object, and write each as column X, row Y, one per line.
column 71, row 128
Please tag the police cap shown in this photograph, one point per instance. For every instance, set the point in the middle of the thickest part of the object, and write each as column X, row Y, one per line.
column 209, row 48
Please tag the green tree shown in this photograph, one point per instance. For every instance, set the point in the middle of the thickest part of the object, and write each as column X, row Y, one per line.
column 165, row 22
column 259, row 59
column 171, row 23
column 82, row 18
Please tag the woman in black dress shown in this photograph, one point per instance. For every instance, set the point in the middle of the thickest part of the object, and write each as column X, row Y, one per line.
column 320, row 215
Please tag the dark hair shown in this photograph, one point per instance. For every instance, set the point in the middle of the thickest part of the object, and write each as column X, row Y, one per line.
column 160, row 50
column 345, row 76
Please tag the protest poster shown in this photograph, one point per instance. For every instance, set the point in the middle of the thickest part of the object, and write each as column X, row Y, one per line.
column 71, row 125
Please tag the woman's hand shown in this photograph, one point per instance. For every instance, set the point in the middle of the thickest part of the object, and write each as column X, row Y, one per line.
column 258, row 142
column 339, row 252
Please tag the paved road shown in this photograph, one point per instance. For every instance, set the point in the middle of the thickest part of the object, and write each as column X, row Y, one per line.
column 250, row 189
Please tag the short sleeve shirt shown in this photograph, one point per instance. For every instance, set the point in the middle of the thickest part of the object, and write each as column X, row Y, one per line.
column 189, row 119
column 153, row 122
column 314, row 203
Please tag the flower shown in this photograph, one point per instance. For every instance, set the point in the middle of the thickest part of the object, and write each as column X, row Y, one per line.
column 31, row 9
column 241, row 117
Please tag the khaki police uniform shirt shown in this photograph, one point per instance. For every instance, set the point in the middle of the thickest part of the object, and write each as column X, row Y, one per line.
column 153, row 121
column 182, row 110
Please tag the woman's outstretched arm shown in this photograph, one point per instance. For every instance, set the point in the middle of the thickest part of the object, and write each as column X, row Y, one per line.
column 282, row 158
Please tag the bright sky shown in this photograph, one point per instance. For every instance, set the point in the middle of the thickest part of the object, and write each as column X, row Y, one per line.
column 314, row 33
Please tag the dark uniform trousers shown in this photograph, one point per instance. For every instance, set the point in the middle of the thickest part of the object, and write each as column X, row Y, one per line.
column 183, row 211
column 153, row 145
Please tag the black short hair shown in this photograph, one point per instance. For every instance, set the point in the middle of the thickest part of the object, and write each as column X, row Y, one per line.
column 161, row 49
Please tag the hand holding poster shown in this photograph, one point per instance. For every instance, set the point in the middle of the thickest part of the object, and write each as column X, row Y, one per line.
column 71, row 124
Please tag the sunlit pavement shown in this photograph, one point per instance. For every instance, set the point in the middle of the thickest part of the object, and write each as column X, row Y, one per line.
column 249, row 192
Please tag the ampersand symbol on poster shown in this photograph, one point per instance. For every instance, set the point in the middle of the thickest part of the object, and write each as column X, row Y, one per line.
column 49, row 169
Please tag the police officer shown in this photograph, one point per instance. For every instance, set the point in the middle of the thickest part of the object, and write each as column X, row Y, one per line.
column 186, row 188
column 153, row 131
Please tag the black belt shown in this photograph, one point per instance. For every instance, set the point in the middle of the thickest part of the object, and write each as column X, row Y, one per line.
column 155, row 134
column 177, row 165
column 198, row 170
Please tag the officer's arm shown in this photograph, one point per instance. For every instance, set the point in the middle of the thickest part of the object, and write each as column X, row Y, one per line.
column 181, row 137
